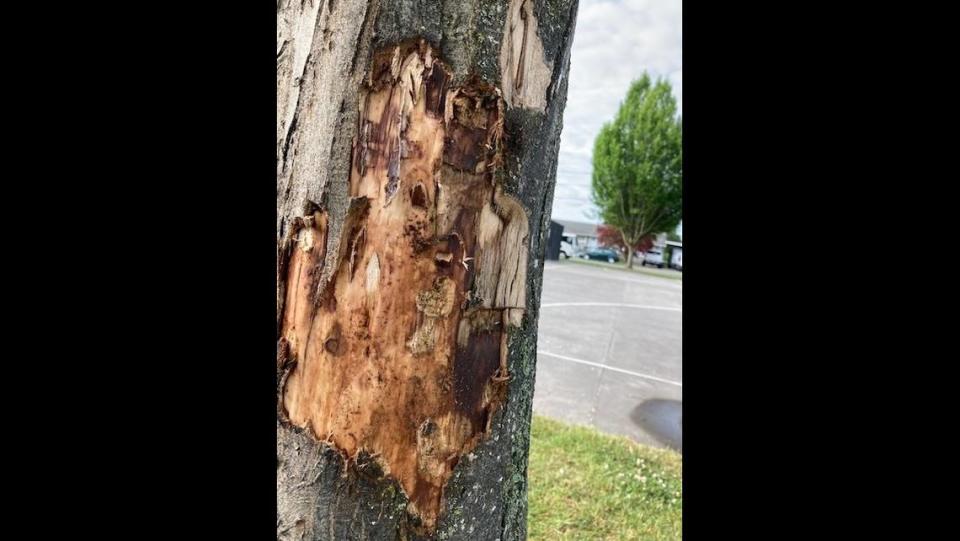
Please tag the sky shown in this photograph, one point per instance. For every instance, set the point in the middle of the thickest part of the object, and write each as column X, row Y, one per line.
column 614, row 42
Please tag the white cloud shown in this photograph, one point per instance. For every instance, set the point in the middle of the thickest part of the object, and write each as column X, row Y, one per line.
column 615, row 41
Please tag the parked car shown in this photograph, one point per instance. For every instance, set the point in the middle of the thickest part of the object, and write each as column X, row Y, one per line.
column 566, row 249
column 602, row 254
column 653, row 257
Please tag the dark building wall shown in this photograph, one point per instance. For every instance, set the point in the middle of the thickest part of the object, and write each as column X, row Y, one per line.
column 553, row 241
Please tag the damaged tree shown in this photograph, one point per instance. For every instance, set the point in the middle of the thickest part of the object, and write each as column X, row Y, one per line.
column 416, row 157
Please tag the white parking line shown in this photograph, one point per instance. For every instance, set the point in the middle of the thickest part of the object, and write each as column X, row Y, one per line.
column 613, row 368
column 643, row 306
column 608, row 274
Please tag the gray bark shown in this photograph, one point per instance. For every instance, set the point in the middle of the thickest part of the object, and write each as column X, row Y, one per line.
column 324, row 49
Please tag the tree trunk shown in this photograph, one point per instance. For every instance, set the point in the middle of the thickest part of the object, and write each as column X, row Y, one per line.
column 629, row 246
column 416, row 155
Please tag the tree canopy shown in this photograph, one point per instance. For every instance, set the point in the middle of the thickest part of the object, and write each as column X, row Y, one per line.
column 611, row 237
column 638, row 163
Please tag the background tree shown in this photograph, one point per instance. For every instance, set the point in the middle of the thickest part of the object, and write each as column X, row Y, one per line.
column 611, row 237
column 416, row 156
column 637, row 164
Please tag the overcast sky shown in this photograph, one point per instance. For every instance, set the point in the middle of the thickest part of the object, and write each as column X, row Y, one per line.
column 615, row 41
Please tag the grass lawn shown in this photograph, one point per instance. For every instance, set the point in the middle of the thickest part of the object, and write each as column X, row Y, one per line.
column 588, row 485
column 670, row 274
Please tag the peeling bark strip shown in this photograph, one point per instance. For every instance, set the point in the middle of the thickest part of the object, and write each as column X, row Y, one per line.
column 525, row 71
column 399, row 345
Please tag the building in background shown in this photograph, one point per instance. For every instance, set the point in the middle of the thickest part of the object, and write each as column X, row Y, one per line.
column 581, row 235
column 554, row 241
column 676, row 254
column 660, row 241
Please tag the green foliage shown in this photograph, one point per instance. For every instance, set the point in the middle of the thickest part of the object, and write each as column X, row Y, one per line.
column 638, row 163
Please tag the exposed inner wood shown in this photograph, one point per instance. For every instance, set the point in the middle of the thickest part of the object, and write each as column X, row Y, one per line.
column 401, row 349
column 523, row 67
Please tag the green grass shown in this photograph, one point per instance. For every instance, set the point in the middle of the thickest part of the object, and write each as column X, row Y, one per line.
column 588, row 485
column 669, row 274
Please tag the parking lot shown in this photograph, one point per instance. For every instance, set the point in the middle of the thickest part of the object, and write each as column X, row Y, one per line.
column 610, row 352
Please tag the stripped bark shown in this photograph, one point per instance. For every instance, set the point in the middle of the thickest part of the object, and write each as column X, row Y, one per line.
column 413, row 197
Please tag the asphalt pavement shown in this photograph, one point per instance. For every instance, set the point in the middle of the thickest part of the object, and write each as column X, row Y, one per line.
column 610, row 352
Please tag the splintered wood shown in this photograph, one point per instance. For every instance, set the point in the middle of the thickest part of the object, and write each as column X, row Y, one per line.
column 398, row 337
column 523, row 67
